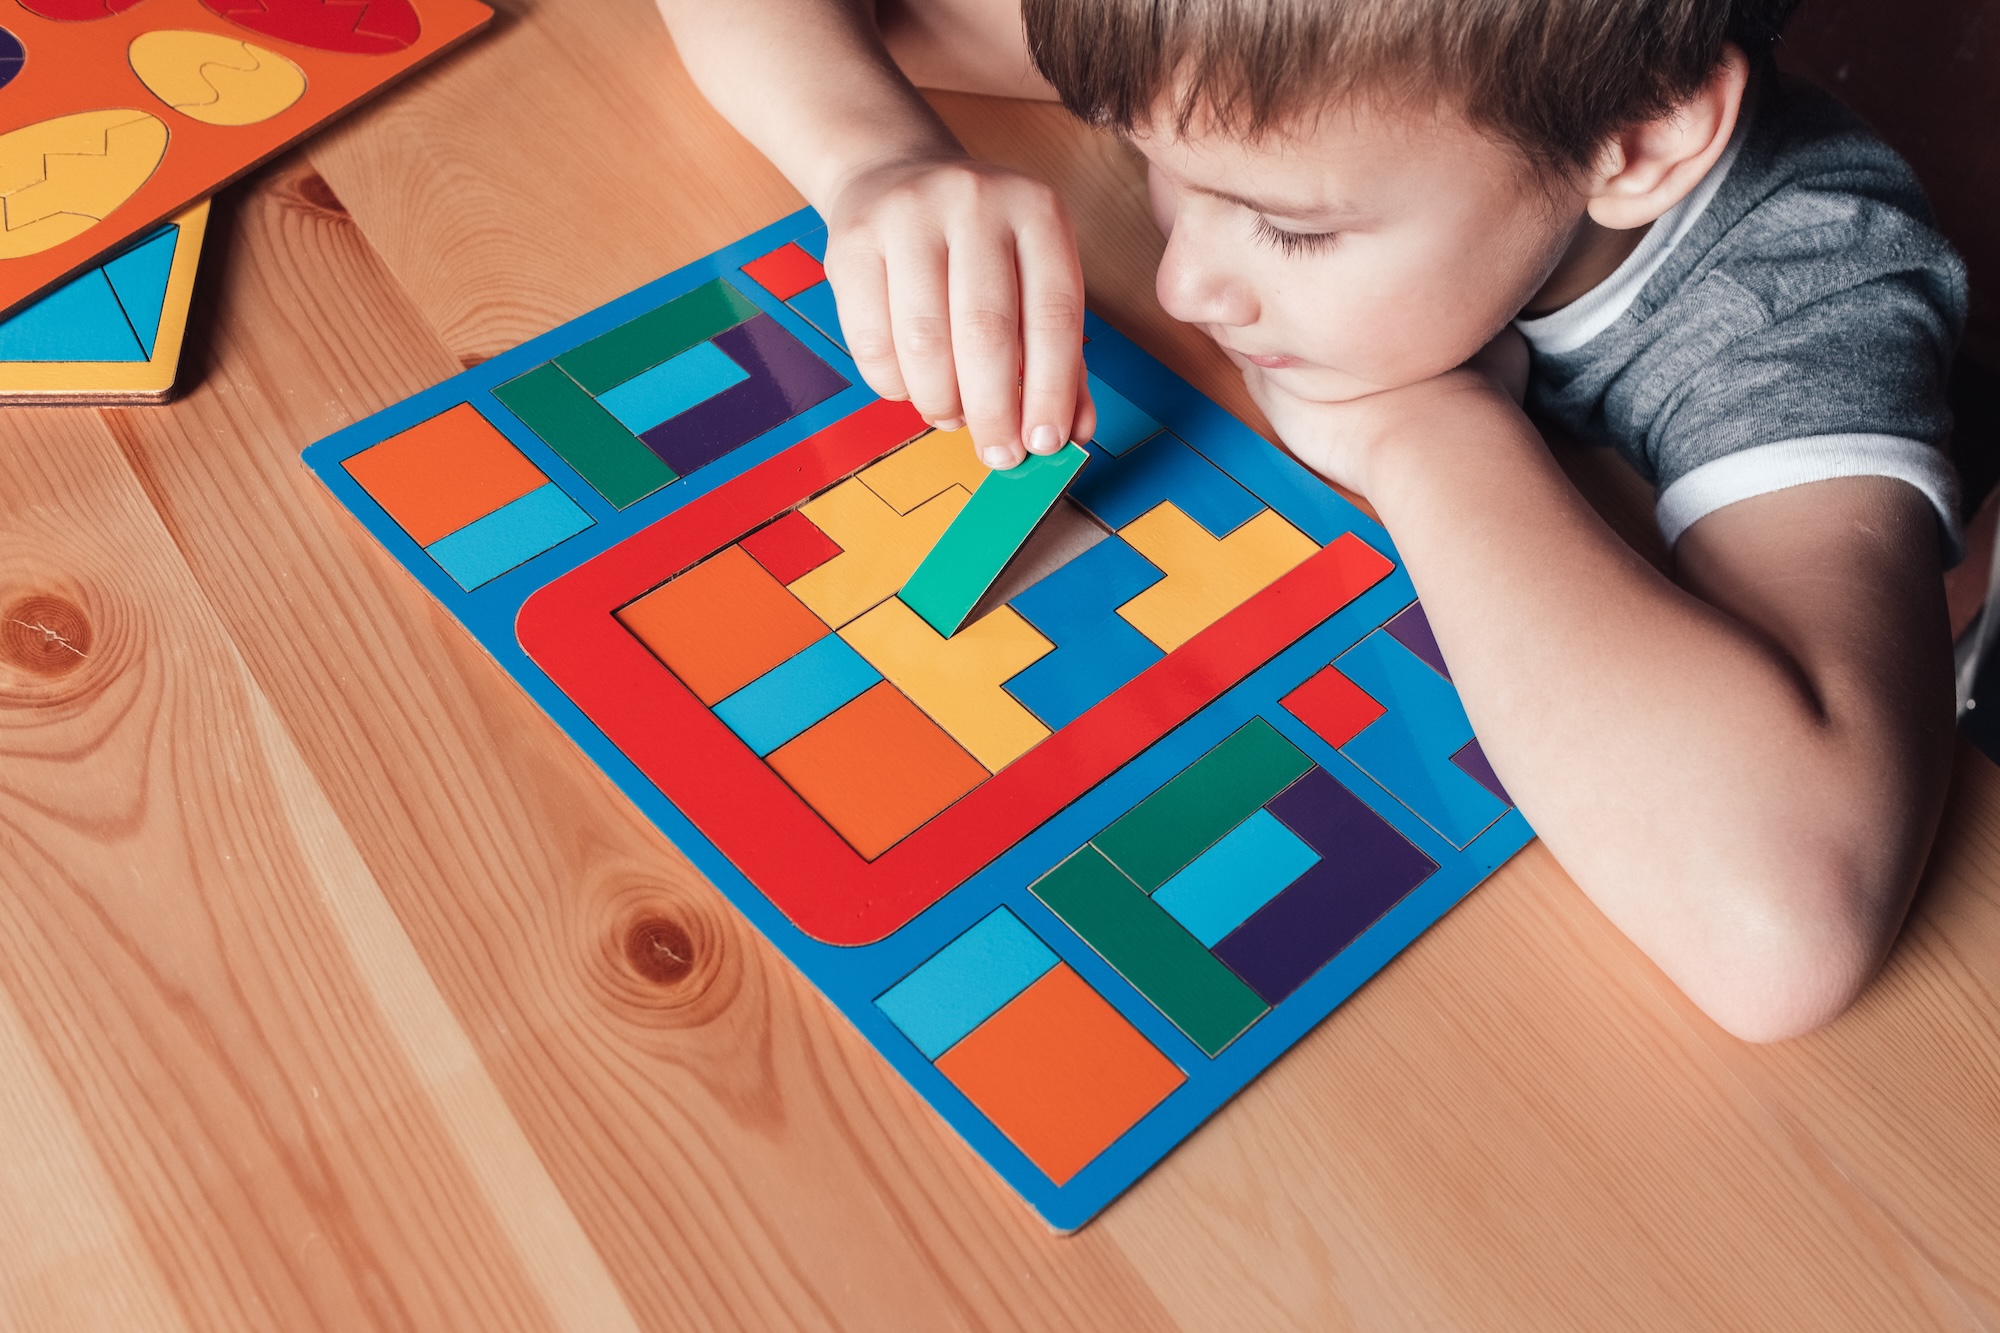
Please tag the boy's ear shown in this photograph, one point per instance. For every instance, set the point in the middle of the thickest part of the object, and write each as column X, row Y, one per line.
column 1647, row 168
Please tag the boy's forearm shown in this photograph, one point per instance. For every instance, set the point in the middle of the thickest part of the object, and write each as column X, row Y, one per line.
column 1718, row 792
column 809, row 83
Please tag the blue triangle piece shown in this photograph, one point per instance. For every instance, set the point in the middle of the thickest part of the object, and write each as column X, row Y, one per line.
column 80, row 321
column 139, row 276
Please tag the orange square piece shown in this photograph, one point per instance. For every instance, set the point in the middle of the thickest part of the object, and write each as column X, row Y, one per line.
column 1060, row 1072
column 722, row 624
column 442, row 474
column 876, row 768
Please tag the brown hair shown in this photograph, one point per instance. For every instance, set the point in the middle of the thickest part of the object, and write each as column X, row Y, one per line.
column 1554, row 77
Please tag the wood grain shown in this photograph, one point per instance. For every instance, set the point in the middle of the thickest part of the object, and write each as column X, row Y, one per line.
column 338, row 991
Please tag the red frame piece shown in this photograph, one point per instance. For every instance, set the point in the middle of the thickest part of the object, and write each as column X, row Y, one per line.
column 792, row 855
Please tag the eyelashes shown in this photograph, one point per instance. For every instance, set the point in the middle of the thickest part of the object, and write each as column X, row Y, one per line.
column 1295, row 242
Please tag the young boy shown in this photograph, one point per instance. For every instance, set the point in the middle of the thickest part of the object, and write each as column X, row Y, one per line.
column 1395, row 216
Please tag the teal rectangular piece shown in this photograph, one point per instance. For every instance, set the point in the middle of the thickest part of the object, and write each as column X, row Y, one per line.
column 966, row 982
column 1217, row 792
column 796, row 693
column 511, row 535
column 1120, row 422
column 985, row 535
column 1150, row 949
column 636, row 346
column 612, row 459
column 672, row 387
column 1224, row 886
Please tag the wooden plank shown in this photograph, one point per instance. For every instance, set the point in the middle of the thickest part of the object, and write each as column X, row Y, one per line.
column 172, row 961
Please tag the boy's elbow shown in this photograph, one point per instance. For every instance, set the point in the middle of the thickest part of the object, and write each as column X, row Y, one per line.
column 1799, row 953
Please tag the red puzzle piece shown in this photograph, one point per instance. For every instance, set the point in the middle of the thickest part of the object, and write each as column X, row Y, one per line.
column 786, row 271
column 792, row 855
column 77, row 11
column 790, row 548
column 362, row 27
column 1333, row 706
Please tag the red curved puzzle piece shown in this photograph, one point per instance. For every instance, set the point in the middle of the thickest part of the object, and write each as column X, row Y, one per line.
column 77, row 11
column 360, row 27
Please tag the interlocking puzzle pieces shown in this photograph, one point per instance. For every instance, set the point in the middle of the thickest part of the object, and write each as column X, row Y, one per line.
column 461, row 491
column 669, row 392
column 119, row 116
column 1046, row 1058
column 793, row 273
column 112, row 335
column 998, row 518
column 1387, row 705
column 1223, row 892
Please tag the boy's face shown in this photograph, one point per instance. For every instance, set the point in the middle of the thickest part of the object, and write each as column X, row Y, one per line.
column 1366, row 251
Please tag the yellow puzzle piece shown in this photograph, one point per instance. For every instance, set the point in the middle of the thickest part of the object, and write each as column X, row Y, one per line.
column 1206, row 577
column 879, row 548
column 215, row 79
column 61, row 177
column 957, row 680
column 926, row 467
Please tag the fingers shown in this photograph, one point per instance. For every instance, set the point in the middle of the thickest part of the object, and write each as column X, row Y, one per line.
column 1054, row 388
column 861, row 293
column 986, row 343
column 920, row 323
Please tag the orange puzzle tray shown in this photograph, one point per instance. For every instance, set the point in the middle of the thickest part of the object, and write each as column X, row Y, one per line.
column 119, row 113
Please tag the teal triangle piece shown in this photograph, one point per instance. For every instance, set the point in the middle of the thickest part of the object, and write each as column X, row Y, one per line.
column 139, row 277
column 80, row 321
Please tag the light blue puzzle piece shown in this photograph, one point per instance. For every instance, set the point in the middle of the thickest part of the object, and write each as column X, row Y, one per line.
column 1119, row 488
column 1120, row 423
column 511, row 535
column 80, row 321
column 139, row 277
column 797, row 693
column 1408, row 749
column 672, row 387
column 814, row 244
column 966, row 982
column 1096, row 649
column 815, row 305
column 1246, row 868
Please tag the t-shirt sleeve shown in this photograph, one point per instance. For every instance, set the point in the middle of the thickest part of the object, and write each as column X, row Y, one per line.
column 1850, row 382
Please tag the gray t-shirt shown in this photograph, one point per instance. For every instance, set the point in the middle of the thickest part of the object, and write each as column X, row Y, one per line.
column 1791, row 320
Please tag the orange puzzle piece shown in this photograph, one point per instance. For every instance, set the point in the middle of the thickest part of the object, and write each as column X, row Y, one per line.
column 722, row 624
column 1060, row 1072
column 122, row 116
column 442, row 474
column 876, row 769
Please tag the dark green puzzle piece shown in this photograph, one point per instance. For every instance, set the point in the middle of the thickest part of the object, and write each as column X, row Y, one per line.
column 634, row 347
column 587, row 437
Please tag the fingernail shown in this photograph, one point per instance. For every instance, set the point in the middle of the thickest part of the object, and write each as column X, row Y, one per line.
column 997, row 458
column 950, row 423
column 1045, row 440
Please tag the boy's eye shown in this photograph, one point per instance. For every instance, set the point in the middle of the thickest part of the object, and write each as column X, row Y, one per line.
column 1294, row 242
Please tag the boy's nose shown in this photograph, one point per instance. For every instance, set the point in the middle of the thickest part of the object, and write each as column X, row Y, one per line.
column 1196, row 290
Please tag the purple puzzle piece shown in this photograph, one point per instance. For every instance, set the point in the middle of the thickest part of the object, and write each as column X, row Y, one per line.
column 1365, row 868
column 785, row 380
column 1472, row 762
column 1412, row 628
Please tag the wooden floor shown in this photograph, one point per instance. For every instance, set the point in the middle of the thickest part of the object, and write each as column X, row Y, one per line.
column 338, row 992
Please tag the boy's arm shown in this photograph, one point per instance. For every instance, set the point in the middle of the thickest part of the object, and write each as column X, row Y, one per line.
column 958, row 282
column 1743, row 770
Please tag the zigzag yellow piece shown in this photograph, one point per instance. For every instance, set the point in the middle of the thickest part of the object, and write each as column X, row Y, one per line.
column 879, row 548
column 61, row 177
column 926, row 467
column 957, row 680
column 215, row 79
column 1206, row 577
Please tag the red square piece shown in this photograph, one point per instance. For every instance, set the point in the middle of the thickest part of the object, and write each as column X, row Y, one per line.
column 790, row 548
column 1333, row 706
column 1060, row 1072
column 786, row 272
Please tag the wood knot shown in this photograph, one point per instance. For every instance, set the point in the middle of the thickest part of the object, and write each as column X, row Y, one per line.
column 660, row 950
column 310, row 189
column 44, row 635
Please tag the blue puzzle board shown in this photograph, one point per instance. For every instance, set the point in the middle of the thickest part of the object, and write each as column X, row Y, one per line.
column 1332, row 801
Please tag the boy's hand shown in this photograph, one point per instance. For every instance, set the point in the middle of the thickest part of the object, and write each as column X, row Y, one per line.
column 960, row 291
column 1340, row 440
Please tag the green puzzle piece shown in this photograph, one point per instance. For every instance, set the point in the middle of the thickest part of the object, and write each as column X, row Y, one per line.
column 985, row 535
